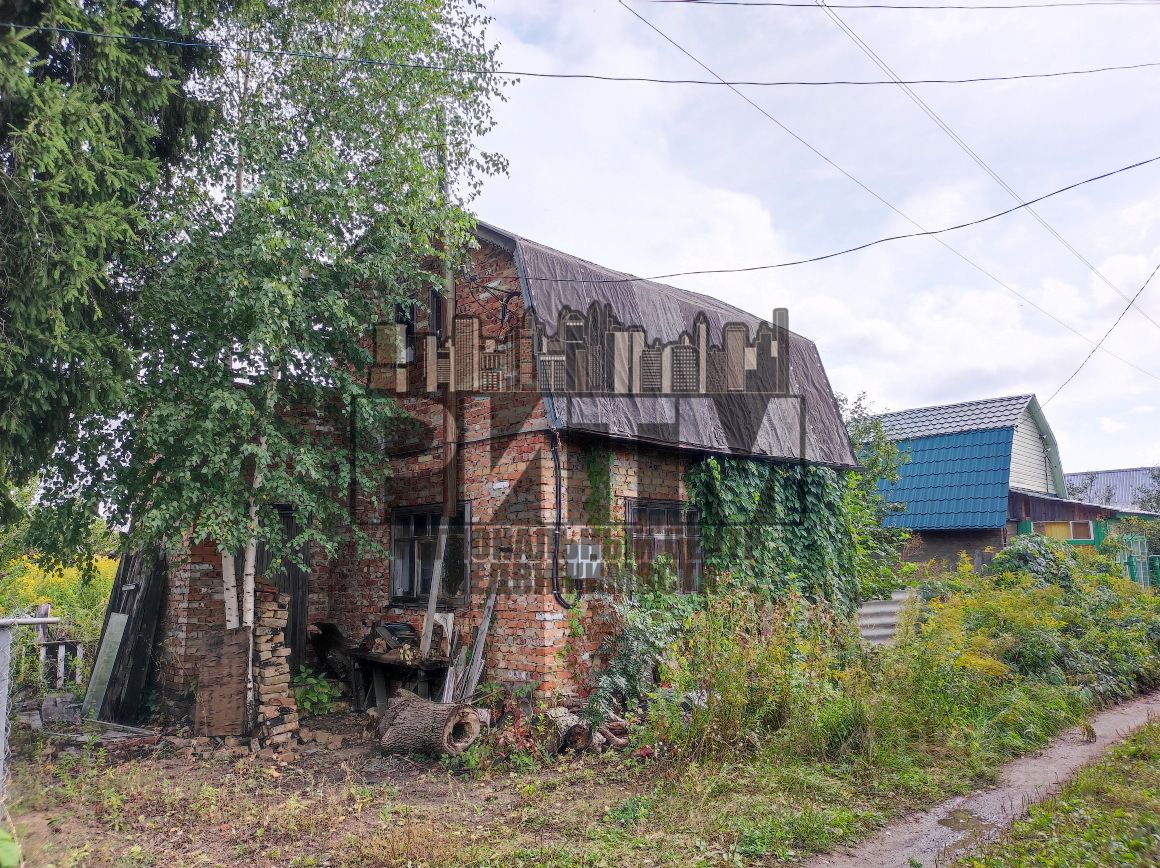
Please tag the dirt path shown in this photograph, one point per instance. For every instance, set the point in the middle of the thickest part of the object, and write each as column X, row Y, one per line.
column 951, row 829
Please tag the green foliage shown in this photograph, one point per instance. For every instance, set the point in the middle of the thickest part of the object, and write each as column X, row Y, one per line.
column 9, row 850
column 1148, row 528
column 1045, row 559
column 992, row 669
column 1150, row 495
column 775, row 527
column 598, row 500
column 318, row 206
column 314, row 693
column 643, row 629
column 91, row 131
column 876, row 547
column 77, row 597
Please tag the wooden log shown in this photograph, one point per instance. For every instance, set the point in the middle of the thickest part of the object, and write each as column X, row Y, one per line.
column 614, row 741
column 571, row 732
column 410, row 724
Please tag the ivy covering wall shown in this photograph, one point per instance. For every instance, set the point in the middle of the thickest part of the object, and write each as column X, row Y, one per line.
column 773, row 527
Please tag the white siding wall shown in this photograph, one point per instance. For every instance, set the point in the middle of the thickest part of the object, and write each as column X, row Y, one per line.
column 1029, row 468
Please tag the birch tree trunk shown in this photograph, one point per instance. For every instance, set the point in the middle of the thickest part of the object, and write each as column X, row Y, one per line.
column 230, row 590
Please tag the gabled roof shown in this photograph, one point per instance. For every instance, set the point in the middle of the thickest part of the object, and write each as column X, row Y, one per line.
column 1122, row 489
column 736, row 423
column 983, row 415
column 954, row 481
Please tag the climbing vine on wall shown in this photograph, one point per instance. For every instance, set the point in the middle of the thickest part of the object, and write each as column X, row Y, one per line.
column 598, row 501
column 773, row 527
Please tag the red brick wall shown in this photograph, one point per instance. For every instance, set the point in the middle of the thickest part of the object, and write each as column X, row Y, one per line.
column 505, row 470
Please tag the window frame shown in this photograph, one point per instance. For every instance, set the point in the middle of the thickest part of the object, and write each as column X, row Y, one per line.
column 433, row 514
column 690, row 524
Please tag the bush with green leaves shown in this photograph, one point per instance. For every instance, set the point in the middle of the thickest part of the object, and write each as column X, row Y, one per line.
column 314, row 693
column 1047, row 560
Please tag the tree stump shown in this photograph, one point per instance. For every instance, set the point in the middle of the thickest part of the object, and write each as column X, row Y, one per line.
column 411, row 724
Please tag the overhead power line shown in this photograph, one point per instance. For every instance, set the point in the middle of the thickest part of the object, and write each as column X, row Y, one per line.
column 857, row 247
column 878, row 196
column 591, row 76
column 926, row 109
column 1100, row 342
column 788, row 4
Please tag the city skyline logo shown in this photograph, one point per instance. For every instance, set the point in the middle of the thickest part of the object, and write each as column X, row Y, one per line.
column 585, row 354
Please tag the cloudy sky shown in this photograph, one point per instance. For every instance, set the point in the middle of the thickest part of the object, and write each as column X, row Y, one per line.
column 654, row 179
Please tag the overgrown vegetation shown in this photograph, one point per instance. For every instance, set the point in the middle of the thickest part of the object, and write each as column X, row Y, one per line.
column 771, row 733
column 1108, row 815
column 77, row 597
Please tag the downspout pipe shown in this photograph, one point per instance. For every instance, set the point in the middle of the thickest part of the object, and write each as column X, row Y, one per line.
column 558, row 523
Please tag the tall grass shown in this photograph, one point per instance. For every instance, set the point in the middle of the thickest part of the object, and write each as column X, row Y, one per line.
column 990, row 670
column 78, row 601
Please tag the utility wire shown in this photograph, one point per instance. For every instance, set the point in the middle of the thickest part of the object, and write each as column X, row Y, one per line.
column 857, row 247
column 587, row 76
column 963, row 6
column 876, row 195
column 970, row 152
column 1100, row 343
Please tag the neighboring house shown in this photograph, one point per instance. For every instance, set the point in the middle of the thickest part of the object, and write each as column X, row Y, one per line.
column 549, row 360
column 1122, row 489
column 980, row 472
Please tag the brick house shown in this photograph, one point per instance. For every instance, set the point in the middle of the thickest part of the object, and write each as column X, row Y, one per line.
column 579, row 397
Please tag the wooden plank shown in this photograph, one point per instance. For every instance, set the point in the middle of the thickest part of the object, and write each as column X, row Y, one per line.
column 141, row 597
column 476, row 669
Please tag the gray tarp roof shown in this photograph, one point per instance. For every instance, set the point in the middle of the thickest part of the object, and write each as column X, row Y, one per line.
column 732, row 423
column 979, row 415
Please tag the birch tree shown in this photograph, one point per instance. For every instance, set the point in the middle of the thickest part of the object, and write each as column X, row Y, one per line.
column 316, row 209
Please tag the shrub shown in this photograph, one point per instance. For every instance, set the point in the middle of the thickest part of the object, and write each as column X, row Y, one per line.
column 314, row 693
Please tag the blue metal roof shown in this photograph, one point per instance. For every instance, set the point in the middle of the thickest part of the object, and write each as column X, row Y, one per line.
column 954, row 481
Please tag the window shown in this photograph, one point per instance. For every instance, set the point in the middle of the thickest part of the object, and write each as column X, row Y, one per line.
column 414, row 538
column 666, row 543
column 1064, row 530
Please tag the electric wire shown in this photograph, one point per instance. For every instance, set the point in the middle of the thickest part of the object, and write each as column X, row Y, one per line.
column 946, row 128
column 857, row 247
column 586, row 76
column 877, row 195
column 1100, row 343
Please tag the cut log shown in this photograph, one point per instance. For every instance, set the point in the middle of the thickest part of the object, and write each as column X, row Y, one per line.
column 411, row 724
column 614, row 741
column 570, row 732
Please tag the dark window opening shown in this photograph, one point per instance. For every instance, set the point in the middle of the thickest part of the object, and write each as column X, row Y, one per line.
column 435, row 312
column 666, row 545
column 414, row 539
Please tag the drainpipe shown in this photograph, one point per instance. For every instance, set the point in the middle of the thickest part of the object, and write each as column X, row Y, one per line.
column 558, row 522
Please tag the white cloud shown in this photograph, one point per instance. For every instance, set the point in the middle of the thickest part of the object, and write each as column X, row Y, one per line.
column 655, row 179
